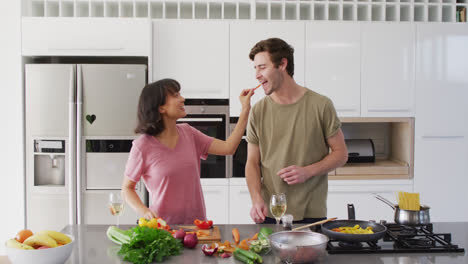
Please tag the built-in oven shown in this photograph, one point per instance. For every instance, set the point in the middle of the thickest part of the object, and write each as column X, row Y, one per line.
column 239, row 159
column 210, row 116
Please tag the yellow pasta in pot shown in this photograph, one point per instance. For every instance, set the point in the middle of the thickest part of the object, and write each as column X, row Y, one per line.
column 409, row 201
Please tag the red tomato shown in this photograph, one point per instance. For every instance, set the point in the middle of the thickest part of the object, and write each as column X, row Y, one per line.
column 23, row 234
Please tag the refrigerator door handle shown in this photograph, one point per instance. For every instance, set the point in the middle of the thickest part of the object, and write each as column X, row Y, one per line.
column 72, row 146
column 79, row 133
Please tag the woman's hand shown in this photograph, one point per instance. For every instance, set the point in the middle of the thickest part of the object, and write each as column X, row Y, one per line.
column 149, row 214
column 244, row 98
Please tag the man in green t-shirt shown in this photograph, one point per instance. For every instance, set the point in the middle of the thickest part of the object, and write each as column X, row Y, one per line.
column 294, row 139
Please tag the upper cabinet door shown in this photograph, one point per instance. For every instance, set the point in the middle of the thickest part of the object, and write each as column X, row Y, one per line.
column 244, row 35
column 85, row 37
column 333, row 64
column 387, row 69
column 194, row 53
column 442, row 80
column 110, row 98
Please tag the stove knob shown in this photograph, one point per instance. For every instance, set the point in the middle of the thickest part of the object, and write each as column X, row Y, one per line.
column 203, row 109
column 383, row 222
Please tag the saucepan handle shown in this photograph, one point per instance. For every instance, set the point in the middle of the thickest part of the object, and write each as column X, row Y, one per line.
column 378, row 197
column 351, row 213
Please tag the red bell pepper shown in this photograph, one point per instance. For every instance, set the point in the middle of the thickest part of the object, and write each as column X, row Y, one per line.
column 203, row 224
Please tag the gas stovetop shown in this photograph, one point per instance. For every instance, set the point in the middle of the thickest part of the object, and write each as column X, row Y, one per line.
column 400, row 239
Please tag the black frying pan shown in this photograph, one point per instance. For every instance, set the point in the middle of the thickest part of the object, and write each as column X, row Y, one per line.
column 378, row 229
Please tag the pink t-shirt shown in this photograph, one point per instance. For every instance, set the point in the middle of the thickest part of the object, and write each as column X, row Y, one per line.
column 172, row 176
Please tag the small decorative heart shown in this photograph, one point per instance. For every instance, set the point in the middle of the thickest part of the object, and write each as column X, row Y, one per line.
column 90, row 118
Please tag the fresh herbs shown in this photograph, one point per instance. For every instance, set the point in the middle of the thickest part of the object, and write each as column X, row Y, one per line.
column 142, row 245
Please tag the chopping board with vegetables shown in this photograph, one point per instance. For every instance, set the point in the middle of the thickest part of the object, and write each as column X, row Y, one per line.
column 204, row 235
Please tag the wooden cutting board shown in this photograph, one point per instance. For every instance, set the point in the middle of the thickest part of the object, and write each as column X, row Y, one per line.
column 214, row 236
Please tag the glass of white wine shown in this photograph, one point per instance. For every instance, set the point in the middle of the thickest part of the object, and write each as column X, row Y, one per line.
column 116, row 204
column 278, row 206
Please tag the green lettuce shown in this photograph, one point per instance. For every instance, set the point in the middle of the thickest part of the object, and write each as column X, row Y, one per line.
column 143, row 245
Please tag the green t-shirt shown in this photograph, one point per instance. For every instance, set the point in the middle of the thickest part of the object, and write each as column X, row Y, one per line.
column 294, row 134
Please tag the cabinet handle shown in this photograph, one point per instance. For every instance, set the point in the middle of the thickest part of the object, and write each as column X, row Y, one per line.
column 347, row 109
column 86, row 49
column 442, row 137
column 388, row 110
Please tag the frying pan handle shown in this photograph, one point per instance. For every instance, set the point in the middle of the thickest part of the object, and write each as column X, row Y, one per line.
column 378, row 197
column 351, row 213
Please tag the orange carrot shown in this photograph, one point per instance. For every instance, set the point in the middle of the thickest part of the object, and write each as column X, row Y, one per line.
column 202, row 233
column 235, row 235
column 243, row 244
column 229, row 249
column 255, row 237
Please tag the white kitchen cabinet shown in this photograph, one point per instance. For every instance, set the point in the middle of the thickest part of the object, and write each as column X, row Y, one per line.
column 360, row 194
column 441, row 80
column 239, row 202
column 216, row 195
column 243, row 36
column 387, row 69
column 441, row 177
column 85, row 37
column 333, row 64
column 441, row 132
column 196, row 54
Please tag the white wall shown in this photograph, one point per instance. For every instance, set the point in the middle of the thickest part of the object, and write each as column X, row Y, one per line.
column 11, row 116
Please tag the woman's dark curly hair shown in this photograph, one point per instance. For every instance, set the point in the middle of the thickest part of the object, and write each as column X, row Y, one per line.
column 152, row 97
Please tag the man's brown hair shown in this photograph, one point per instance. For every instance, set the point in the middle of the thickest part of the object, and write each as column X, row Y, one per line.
column 277, row 49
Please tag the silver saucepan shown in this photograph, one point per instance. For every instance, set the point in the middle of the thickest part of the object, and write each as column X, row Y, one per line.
column 408, row 217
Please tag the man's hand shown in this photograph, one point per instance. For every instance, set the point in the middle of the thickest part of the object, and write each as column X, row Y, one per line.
column 294, row 174
column 258, row 212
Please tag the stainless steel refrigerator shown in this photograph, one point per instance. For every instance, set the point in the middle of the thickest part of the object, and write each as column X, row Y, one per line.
column 79, row 122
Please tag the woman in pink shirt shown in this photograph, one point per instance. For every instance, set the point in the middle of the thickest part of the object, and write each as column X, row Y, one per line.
column 167, row 155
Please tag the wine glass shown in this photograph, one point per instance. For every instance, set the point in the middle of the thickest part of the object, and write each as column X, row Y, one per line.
column 278, row 206
column 116, row 204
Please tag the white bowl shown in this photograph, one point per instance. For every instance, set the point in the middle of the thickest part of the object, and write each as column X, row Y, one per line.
column 57, row 255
